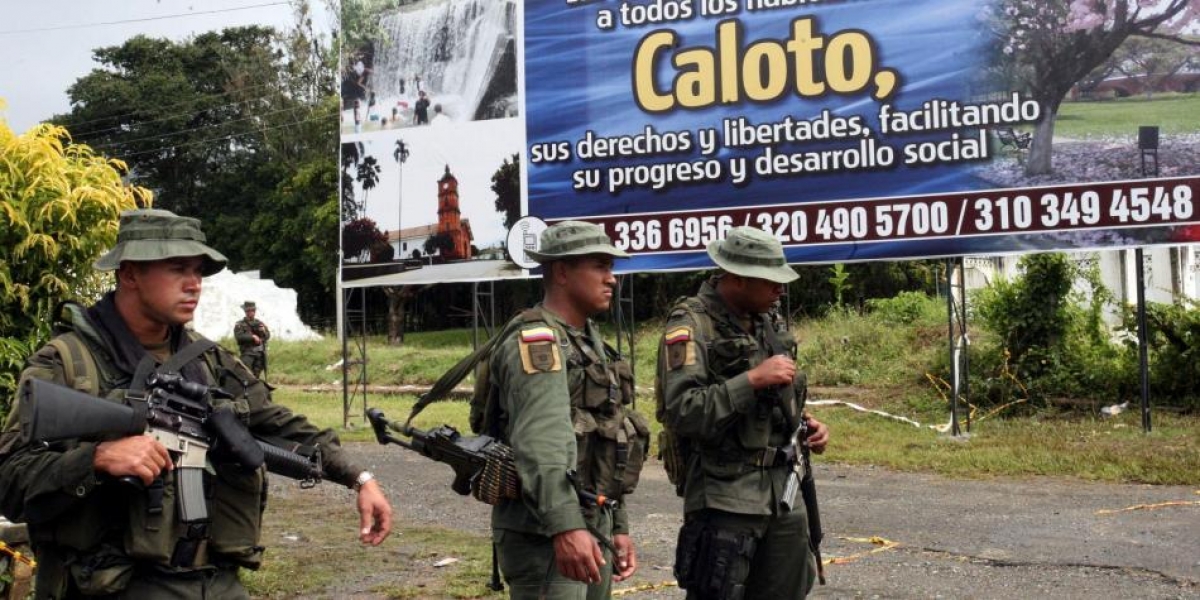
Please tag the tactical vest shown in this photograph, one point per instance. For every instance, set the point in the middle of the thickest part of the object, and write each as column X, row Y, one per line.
column 117, row 525
column 729, row 352
column 612, row 438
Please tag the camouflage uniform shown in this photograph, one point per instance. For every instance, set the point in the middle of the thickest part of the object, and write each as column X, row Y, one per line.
column 561, row 395
column 734, row 442
column 254, row 355
column 95, row 536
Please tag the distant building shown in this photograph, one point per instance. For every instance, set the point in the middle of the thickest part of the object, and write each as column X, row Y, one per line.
column 450, row 222
column 410, row 242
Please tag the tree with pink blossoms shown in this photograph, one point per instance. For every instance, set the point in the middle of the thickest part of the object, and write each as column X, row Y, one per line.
column 1050, row 45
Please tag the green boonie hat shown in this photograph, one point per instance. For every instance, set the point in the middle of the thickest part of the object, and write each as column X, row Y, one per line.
column 573, row 238
column 150, row 234
column 751, row 252
column 247, row 305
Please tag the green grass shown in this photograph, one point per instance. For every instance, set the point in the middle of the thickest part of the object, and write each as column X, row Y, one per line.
column 1172, row 113
column 880, row 360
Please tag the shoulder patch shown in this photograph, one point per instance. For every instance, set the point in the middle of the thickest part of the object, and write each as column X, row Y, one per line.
column 680, row 347
column 678, row 335
column 539, row 352
column 537, row 334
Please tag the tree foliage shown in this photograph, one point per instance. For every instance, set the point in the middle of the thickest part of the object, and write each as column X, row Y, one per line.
column 506, row 184
column 236, row 127
column 1048, row 46
column 60, row 205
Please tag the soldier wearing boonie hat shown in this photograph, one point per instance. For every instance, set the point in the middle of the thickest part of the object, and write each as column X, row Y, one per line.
column 726, row 358
column 94, row 537
column 560, row 396
column 150, row 234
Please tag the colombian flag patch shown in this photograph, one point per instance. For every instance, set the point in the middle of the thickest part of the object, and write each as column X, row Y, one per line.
column 537, row 334
column 678, row 335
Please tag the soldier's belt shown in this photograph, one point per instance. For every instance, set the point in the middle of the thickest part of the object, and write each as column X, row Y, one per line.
column 774, row 456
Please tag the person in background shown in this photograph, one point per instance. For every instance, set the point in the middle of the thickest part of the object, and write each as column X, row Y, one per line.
column 251, row 335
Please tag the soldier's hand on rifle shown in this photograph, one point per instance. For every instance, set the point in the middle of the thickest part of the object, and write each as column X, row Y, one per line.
column 777, row 370
column 626, row 558
column 578, row 555
column 818, row 434
column 375, row 514
column 138, row 456
column 257, row 340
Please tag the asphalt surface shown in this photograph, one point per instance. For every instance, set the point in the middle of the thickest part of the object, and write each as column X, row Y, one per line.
column 933, row 537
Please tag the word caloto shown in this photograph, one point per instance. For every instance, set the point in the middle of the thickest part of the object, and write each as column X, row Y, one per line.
column 810, row 63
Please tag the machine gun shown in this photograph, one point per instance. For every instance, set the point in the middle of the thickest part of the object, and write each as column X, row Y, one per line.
column 483, row 466
column 175, row 412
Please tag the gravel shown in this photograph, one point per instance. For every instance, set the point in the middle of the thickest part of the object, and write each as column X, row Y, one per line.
column 998, row 538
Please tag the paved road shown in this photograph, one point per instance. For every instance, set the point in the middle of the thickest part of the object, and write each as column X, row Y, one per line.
column 1047, row 538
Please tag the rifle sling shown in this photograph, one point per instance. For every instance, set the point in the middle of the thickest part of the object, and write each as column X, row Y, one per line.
column 445, row 384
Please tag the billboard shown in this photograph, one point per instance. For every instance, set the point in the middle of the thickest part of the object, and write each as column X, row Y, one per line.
column 851, row 130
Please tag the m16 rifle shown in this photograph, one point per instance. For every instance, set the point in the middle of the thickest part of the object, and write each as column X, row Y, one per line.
column 175, row 412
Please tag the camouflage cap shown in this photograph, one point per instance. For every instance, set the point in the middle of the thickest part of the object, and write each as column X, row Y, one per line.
column 249, row 305
column 573, row 238
column 752, row 252
column 150, row 234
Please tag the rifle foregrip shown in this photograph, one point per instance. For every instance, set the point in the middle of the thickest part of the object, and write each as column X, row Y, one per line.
column 290, row 464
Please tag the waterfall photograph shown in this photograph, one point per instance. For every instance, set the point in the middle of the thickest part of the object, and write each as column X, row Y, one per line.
column 428, row 62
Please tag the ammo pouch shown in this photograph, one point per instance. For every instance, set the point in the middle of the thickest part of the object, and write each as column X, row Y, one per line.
column 612, row 450
column 106, row 571
column 712, row 563
column 612, row 438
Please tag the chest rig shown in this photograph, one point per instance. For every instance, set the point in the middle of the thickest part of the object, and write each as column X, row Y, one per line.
column 613, row 438
column 118, row 525
column 761, row 438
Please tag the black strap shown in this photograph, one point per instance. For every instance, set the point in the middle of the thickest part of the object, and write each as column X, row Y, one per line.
column 445, row 384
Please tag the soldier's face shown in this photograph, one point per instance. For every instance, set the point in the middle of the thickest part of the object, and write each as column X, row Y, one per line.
column 250, row 313
column 758, row 295
column 589, row 282
column 167, row 291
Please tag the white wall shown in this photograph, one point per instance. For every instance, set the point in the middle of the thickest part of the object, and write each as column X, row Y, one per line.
column 221, row 307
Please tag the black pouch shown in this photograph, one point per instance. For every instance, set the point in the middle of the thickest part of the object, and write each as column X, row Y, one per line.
column 713, row 563
column 690, row 553
column 106, row 571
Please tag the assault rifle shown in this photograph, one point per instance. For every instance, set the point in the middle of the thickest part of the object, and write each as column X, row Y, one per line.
column 175, row 412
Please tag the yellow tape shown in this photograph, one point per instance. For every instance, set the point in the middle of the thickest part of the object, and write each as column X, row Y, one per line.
column 1109, row 511
column 17, row 556
column 648, row 587
column 884, row 545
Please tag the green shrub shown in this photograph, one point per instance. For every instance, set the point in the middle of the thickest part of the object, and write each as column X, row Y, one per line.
column 1173, row 332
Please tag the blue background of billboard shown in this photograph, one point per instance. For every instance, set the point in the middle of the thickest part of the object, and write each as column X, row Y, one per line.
column 580, row 78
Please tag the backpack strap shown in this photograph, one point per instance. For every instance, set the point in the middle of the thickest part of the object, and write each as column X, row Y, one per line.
column 79, row 367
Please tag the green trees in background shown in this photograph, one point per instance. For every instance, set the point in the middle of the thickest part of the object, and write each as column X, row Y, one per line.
column 59, row 208
column 237, row 128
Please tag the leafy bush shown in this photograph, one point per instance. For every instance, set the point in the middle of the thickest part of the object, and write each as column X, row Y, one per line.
column 59, row 209
column 1173, row 335
column 1051, row 342
column 907, row 308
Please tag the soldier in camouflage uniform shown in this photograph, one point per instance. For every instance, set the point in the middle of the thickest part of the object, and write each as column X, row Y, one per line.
column 560, row 398
column 731, row 397
column 97, row 536
column 252, row 335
